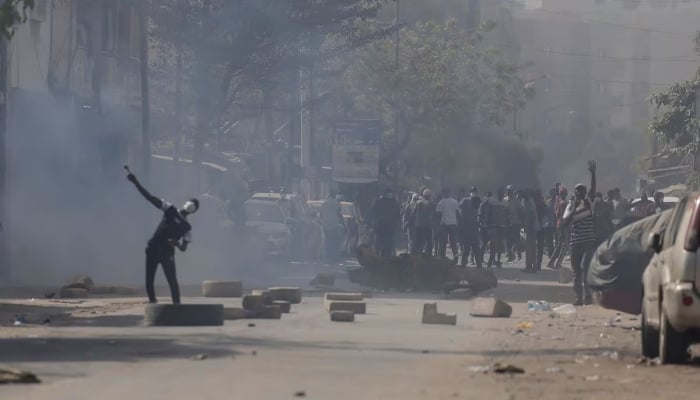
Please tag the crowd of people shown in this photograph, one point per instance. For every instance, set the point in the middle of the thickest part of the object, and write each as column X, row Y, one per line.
column 504, row 226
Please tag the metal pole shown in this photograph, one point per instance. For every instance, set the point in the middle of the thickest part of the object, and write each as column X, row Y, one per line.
column 398, row 96
column 4, row 265
column 145, row 105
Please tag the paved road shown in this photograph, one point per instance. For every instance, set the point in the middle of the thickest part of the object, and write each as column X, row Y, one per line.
column 98, row 350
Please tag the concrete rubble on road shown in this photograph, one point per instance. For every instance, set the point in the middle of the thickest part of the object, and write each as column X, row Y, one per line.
column 342, row 316
column 431, row 316
column 357, row 307
column 11, row 375
column 288, row 294
column 222, row 288
column 490, row 308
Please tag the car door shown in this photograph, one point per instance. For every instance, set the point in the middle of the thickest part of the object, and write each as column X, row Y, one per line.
column 660, row 263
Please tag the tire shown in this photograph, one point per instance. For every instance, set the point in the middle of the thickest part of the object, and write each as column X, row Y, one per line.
column 222, row 289
column 184, row 315
column 650, row 338
column 673, row 345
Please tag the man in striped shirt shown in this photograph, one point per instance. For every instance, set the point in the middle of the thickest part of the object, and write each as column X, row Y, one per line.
column 579, row 213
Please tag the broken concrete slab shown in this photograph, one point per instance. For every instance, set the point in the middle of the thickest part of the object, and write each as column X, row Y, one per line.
column 285, row 306
column 289, row 294
column 234, row 313
column 323, row 279
column 357, row 307
column 342, row 316
column 73, row 293
column 432, row 316
column 222, row 288
column 254, row 302
column 343, row 297
column 490, row 308
column 267, row 296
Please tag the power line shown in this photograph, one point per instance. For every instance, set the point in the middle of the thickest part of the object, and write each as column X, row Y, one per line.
column 606, row 57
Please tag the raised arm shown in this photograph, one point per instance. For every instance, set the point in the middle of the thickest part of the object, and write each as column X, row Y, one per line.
column 157, row 203
column 592, row 168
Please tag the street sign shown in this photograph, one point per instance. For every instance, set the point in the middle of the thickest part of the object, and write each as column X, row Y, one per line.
column 356, row 151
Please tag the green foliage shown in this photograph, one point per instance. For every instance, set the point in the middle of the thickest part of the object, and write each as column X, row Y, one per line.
column 13, row 12
column 677, row 123
column 447, row 90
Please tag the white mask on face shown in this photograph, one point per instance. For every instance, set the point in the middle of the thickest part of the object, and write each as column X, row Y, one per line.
column 190, row 207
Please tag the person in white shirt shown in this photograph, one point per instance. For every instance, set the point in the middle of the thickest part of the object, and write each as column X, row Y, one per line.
column 448, row 214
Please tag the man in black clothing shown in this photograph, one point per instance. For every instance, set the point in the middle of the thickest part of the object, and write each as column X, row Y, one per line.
column 387, row 217
column 173, row 231
column 469, row 230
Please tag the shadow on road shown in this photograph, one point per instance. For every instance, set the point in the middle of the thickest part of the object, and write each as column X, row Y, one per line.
column 107, row 349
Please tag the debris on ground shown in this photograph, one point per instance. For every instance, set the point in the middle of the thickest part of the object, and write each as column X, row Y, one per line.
column 553, row 370
column 20, row 320
column 68, row 292
column 507, row 369
column 525, row 325
column 566, row 309
column 613, row 355
column 342, row 316
column 592, row 378
column 357, row 307
column 479, row 369
column 460, row 294
column 200, row 357
column 538, row 305
column 251, row 325
column 612, row 321
column 431, row 316
column 300, row 393
column 80, row 282
column 491, row 308
column 11, row 375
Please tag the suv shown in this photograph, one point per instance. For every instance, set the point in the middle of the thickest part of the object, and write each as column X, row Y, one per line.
column 671, row 301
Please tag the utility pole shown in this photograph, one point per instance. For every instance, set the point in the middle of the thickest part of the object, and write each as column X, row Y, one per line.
column 4, row 265
column 398, row 97
column 178, row 108
column 145, row 104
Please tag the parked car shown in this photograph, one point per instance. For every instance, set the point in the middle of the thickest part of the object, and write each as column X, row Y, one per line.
column 270, row 222
column 307, row 234
column 671, row 301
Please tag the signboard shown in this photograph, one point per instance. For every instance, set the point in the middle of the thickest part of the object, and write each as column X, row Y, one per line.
column 356, row 151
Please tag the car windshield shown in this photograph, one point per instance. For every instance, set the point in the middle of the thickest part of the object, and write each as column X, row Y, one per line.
column 258, row 212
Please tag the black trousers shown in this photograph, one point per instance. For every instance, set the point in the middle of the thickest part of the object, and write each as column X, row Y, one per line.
column 581, row 256
column 448, row 233
column 424, row 241
column 385, row 240
column 166, row 258
column 470, row 244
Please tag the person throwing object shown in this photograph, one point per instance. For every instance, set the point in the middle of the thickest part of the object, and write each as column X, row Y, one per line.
column 173, row 231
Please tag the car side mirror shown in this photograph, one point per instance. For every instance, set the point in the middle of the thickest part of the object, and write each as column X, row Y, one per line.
column 655, row 243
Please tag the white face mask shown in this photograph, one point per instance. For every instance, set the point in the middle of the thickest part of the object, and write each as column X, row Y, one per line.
column 190, row 207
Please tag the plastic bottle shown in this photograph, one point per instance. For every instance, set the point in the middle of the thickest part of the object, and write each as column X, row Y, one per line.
column 538, row 305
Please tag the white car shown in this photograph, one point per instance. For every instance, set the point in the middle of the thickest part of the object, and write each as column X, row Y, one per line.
column 671, row 301
column 269, row 220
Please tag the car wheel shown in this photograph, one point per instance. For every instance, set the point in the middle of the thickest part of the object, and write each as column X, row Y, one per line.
column 650, row 338
column 673, row 345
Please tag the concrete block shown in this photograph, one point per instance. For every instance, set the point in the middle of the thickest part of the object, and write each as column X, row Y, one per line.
column 289, row 294
column 285, row 306
column 432, row 316
column 222, row 288
column 323, row 279
column 267, row 296
column 73, row 293
column 490, row 308
column 233, row 313
column 269, row 312
column 342, row 316
column 343, row 297
column 254, row 302
column 357, row 307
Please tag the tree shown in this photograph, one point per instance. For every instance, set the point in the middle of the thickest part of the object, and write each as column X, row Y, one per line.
column 13, row 12
column 447, row 90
